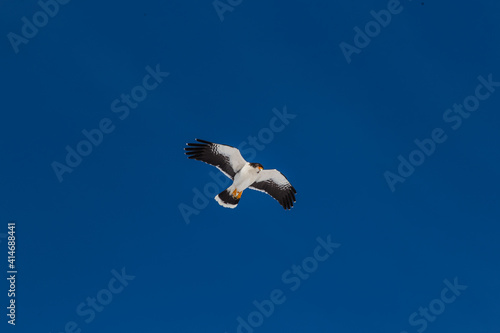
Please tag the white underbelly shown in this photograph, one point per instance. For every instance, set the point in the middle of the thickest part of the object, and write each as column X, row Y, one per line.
column 245, row 178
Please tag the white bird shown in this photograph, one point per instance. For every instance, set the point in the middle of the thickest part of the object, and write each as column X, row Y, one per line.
column 245, row 175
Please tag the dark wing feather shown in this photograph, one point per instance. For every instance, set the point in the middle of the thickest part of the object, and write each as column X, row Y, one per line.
column 276, row 185
column 226, row 158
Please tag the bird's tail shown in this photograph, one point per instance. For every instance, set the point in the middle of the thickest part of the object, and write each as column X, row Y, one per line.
column 228, row 198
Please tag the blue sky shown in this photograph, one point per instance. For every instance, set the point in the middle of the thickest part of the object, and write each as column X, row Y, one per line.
column 103, row 245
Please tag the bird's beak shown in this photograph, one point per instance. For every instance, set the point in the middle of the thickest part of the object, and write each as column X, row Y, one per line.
column 261, row 168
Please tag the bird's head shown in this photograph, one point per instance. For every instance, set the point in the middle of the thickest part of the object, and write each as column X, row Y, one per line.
column 258, row 166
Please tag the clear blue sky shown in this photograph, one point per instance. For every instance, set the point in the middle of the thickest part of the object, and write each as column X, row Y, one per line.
column 349, row 126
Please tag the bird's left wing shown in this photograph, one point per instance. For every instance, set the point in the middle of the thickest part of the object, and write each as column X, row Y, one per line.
column 226, row 158
column 276, row 185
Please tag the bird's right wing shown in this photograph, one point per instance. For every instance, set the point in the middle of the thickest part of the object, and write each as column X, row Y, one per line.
column 226, row 158
column 276, row 185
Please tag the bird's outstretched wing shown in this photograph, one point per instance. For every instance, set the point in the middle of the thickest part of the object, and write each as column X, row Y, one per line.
column 276, row 185
column 226, row 158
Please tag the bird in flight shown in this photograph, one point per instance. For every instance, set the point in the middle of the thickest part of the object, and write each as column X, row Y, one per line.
column 245, row 175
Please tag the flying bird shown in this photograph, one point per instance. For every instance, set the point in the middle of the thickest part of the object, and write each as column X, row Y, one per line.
column 245, row 175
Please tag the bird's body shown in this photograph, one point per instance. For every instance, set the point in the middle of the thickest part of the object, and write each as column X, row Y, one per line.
column 244, row 174
column 242, row 180
column 246, row 177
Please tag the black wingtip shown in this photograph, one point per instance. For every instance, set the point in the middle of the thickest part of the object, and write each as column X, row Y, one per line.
column 197, row 144
column 203, row 141
column 289, row 199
